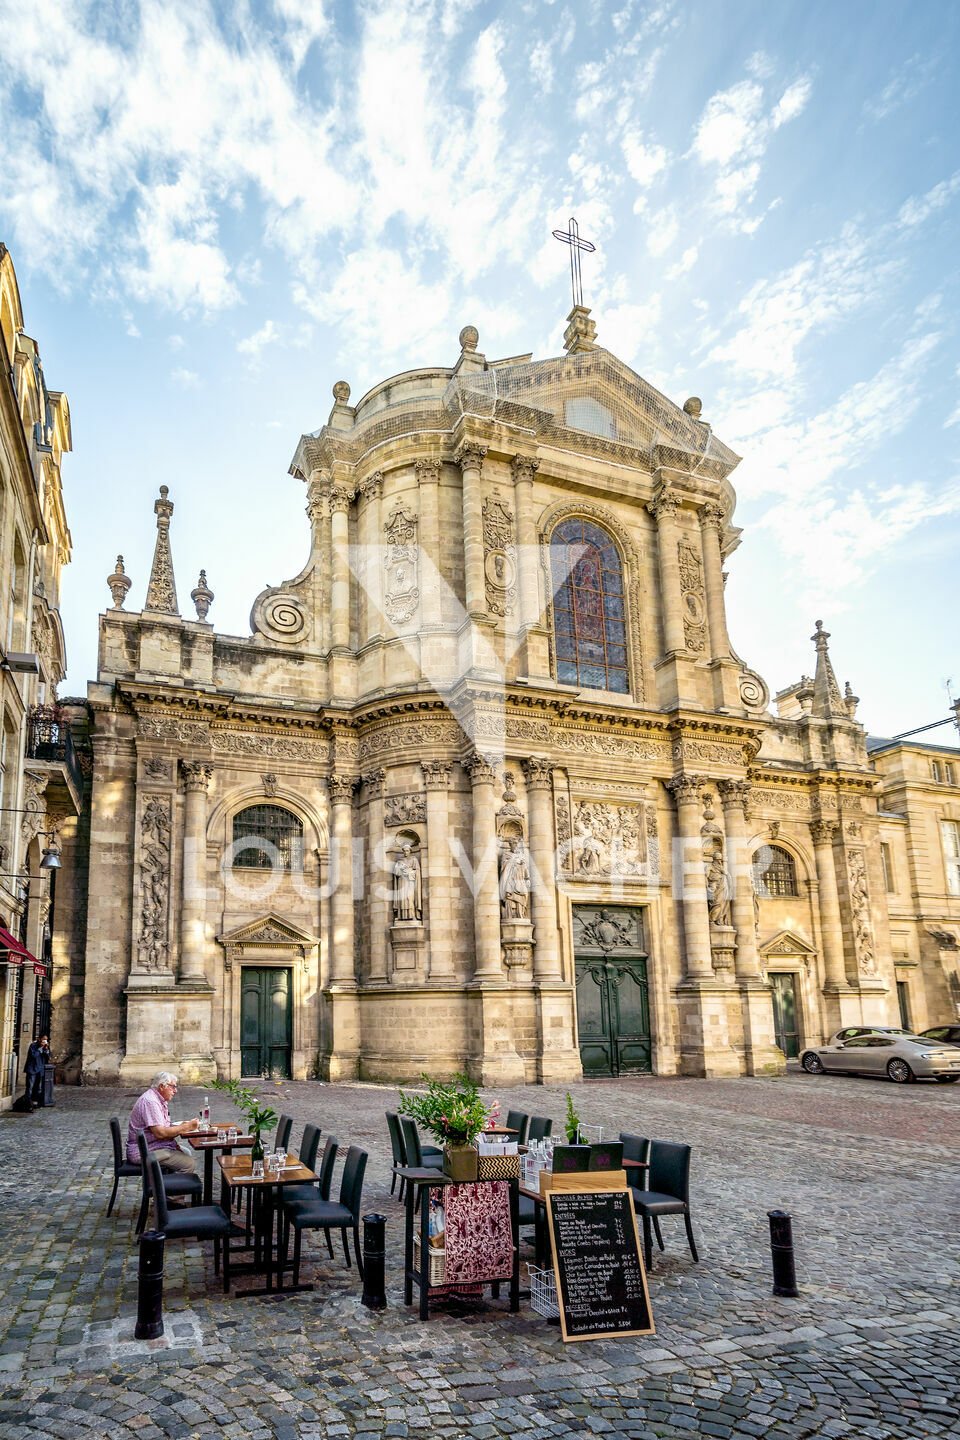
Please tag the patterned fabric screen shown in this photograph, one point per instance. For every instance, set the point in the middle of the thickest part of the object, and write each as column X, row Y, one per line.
column 588, row 607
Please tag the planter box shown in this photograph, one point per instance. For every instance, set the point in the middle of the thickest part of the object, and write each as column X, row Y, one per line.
column 460, row 1163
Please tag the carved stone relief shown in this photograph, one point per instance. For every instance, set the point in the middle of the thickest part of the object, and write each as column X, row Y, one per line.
column 608, row 840
column 405, row 809
column 157, row 768
column 186, row 732
column 401, row 591
column 693, row 601
column 245, row 742
column 280, row 616
column 418, row 735
column 607, row 929
column 593, row 742
column 499, row 556
column 153, row 953
column 860, row 912
column 35, row 806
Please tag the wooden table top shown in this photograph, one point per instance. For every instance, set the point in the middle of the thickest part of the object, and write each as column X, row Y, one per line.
column 238, row 1170
column 198, row 1141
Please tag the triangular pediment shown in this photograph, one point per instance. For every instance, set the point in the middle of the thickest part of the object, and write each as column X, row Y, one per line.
column 268, row 930
column 786, row 942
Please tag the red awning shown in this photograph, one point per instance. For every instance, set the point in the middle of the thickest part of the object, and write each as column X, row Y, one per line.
column 15, row 952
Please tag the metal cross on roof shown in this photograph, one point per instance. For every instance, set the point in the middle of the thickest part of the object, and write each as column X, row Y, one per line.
column 572, row 238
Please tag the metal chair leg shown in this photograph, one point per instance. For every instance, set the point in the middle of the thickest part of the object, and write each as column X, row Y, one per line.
column 690, row 1240
column 329, row 1242
column 346, row 1248
column 296, row 1257
column 116, row 1182
column 657, row 1231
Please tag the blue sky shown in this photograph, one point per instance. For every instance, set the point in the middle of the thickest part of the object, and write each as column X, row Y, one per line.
column 217, row 211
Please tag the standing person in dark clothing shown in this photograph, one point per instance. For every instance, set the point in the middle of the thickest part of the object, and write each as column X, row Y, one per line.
column 38, row 1057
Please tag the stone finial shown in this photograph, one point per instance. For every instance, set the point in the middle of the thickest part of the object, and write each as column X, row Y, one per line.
column 202, row 596
column 581, row 332
column 162, row 587
column 119, row 583
column 469, row 337
column 693, row 407
column 341, row 392
column 827, row 701
column 850, row 700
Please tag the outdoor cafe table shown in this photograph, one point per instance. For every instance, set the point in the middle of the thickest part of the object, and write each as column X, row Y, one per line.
column 237, row 1173
column 419, row 1184
column 637, row 1173
column 208, row 1142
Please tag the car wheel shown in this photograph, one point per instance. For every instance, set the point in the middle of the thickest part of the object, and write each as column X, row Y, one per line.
column 812, row 1063
column 947, row 1079
column 899, row 1072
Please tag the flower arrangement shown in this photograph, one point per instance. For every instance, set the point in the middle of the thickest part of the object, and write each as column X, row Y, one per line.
column 259, row 1117
column 451, row 1110
column 571, row 1122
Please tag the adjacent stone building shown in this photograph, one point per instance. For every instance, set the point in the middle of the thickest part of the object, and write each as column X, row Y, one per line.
column 487, row 785
column 40, row 781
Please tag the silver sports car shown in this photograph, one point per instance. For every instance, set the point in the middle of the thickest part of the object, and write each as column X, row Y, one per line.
column 899, row 1057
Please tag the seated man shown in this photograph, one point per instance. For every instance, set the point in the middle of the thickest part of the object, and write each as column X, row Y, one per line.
column 150, row 1114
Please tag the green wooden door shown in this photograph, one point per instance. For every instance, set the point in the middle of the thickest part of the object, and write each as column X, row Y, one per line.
column 265, row 1022
column 786, row 1030
column 613, row 1010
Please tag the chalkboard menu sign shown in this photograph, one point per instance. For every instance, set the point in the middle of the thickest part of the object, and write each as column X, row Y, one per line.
column 601, row 1285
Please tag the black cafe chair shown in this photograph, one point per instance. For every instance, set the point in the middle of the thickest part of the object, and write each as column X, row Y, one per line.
column 173, row 1184
column 318, row 1189
column 540, row 1127
column 123, row 1169
column 309, row 1146
column 399, row 1150
column 419, row 1157
column 202, row 1222
column 282, row 1138
column 518, row 1120
column 667, row 1193
column 332, row 1215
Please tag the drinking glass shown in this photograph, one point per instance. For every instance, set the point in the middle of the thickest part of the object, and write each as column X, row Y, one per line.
column 257, row 1170
column 221, row 1137
column 232, row 1134
column 281, row 1159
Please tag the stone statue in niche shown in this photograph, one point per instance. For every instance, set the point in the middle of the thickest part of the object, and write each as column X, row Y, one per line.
column 514, row 880
column 407, row 887
column 718, row 889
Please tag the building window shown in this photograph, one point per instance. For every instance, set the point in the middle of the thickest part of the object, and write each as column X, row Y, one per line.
column 774, row 873
column 886, row 860
column 935, row 771
column 590, row 629
column 951, row 773
column 950, row 833
column 267, row 837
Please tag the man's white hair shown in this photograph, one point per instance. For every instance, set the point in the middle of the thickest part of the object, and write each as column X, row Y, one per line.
column 164, row 1077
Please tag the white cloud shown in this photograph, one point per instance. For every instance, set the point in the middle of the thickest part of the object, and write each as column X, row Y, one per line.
column 644, row 161
column 662, row 230
column 176, row 342
column 919, row 208
column 686, row 262
column 186, row 379
column 732, row 137
column 253, row 345
column 901, row 89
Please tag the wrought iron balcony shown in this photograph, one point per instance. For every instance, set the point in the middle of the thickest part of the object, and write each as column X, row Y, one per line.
column 49, row 740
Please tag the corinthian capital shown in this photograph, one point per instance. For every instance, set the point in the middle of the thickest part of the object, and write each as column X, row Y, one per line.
column 538, row 772
column 470, row 455
column 823, row 831
column 436, row 773
column 685, row 789
column 711, row 517
column 524, row 468
column 373, row 783
column 734, row 794
column 427, row 471
column 482, row 769
column 371, row 488
column 664, row 505
column 341, row 788
column 339, row 499
column 196, row 775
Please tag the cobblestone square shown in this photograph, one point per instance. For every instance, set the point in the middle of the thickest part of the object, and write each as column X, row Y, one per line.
column 868, row 1170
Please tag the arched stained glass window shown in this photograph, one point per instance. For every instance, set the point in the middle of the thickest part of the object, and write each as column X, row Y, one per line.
column 588, row 607
column 267, row 837
column 774, row 873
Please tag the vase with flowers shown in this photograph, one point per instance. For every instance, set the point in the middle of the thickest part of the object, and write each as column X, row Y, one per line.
column 454, row 1114
column 259, row 1117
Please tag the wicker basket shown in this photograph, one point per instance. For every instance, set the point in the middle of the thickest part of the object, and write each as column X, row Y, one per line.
column 438, row 1261
column 543, row 1293
column 498, row 1167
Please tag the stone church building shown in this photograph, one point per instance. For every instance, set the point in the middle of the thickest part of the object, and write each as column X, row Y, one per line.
column 487, row 786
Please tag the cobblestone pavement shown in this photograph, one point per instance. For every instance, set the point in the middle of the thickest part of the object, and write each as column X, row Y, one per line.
column 869, row 1351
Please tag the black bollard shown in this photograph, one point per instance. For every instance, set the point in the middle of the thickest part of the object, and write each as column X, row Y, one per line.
column 374, row 1245
column 150, row 1286
column 781, row 1248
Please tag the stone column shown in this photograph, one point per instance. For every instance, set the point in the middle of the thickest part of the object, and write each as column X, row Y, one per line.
column 734, row 795
column 193, row 903
column 428, row 482
column 831, row 927
column 546, row 955
column 693, row 890
column 318, row 509
column 486, row 899
column 371, row 568
column 342, row 971
column 436, row 774
column 664, row 510
column 470, row 459
column 377, row 876
column 340, row 569
column 524, row 469
column 711, row 523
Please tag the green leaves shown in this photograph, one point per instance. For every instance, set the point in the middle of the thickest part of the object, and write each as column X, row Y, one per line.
column 260, row 1117
column 451, row 1110
column 571, row 1123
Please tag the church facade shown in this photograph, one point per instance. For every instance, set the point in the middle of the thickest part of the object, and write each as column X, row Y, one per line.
column 487, row 786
